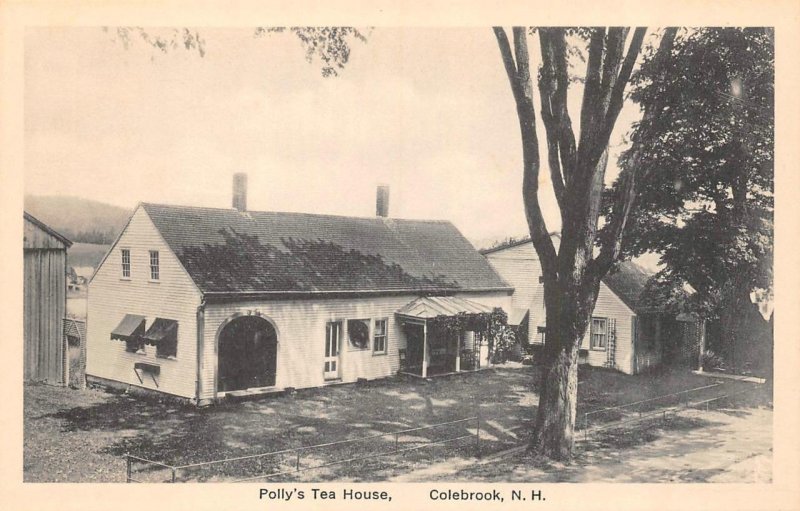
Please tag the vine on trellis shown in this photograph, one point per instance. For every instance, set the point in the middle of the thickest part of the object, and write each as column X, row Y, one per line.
column 492, row 325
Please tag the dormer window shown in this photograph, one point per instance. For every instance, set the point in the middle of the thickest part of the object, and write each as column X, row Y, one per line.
column 154, row 271
column 126, row 263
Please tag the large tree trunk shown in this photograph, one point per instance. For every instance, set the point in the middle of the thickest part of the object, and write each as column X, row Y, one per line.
column 569, row 309
column 555, row 418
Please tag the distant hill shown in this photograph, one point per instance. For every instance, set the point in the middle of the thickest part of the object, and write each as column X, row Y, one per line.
column 80, row 220
column 86, row 254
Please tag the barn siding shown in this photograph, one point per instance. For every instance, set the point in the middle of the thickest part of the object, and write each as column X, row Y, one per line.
column 44, row 309
column 301, row 333
column 44, row 305
column 34, row 237
column 174, row 297
column 519, row 266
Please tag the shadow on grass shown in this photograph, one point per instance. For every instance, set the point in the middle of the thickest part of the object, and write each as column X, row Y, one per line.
column 645, row 432
column 182, row 434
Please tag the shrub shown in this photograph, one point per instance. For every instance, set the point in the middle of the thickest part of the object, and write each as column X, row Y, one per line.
column 712, row 361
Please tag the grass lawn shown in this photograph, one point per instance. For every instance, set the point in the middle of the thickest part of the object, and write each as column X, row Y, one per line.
column 73, row 435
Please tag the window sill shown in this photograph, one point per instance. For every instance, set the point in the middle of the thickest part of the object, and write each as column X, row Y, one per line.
column 125, row 279
column 597, row 349
column 166, row 357
column 379, row 353
column 154, row 281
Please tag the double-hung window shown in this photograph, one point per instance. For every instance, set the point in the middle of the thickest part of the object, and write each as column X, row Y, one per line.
column 126, row 263
column 599, row 334
column 154, row 270
column 379, row 336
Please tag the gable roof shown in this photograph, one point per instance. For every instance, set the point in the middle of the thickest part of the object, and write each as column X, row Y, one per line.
column 627, row 280
column 225, row 251
column 46, row 228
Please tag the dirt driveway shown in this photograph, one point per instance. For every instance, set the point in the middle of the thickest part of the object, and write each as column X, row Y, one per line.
column 725, row 445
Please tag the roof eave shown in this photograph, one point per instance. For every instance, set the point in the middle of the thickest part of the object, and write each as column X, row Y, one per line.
column 229, row 296
column 46, row 228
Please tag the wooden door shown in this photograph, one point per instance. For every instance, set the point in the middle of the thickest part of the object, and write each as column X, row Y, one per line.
column 333, row 336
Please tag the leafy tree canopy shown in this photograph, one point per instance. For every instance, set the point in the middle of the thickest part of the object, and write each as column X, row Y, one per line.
column 705, row 161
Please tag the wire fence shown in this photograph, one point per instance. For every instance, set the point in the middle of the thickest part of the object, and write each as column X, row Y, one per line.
column 641, row 407
column 464, row 433
column 292, row 461
column 670, row 406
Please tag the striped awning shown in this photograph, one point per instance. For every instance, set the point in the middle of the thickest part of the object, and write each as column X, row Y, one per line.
column 130, row 328
column 429, row 307
column 162, row 330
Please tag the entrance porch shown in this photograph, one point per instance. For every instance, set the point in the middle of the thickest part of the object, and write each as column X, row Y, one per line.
column 443, row 336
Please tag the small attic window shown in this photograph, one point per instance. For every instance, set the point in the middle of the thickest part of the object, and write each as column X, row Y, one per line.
column 126, row 263
column 154, row 269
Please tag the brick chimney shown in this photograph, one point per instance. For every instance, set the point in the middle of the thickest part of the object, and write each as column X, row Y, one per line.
column 382, row 201
column 240, row 191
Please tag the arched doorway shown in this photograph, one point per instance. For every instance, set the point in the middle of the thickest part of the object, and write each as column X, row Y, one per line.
column 247, row 356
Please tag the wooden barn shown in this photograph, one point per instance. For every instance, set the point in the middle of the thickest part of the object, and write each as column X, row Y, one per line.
column 205, row 303
column 622, row 335
column 45, row 301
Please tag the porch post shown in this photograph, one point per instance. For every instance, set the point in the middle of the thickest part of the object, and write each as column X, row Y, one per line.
column 458, row 350
column 425, row 349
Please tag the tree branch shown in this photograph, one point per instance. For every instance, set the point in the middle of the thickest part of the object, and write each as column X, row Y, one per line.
column 548, row 88
column 627, row 182
column 591, row 86
column 507, row 56
column 617, row 91
column 520, row 81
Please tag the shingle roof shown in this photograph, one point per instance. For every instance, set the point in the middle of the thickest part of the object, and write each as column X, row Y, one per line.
column 627, row 281
column 226, row 251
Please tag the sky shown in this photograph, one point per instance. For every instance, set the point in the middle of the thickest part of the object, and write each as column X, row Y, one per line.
column 427, row 111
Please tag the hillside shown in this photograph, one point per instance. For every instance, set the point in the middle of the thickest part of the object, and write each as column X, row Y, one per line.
column 80, row 220
column 86, row 254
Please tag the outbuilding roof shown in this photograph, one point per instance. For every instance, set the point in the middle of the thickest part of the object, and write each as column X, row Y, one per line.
column 46, row 228
column 226, row 251
column 428, row 307
column 627, row 280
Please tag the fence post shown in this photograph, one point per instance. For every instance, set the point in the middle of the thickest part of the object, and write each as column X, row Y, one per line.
column 173, row 474
column 128, row 472
column 396, row 443
column 297, row 462
column 478, row 436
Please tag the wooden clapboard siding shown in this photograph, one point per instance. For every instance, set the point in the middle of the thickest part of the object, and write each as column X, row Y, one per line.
column 608, row 306
column 44, row 296
column 174, row 296
column 300, row 325
column 519, row 266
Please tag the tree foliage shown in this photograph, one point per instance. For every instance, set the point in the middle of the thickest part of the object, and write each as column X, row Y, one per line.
column 705, row 200
column 330, row 45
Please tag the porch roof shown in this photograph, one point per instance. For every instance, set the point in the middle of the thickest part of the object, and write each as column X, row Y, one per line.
column 429, row 307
